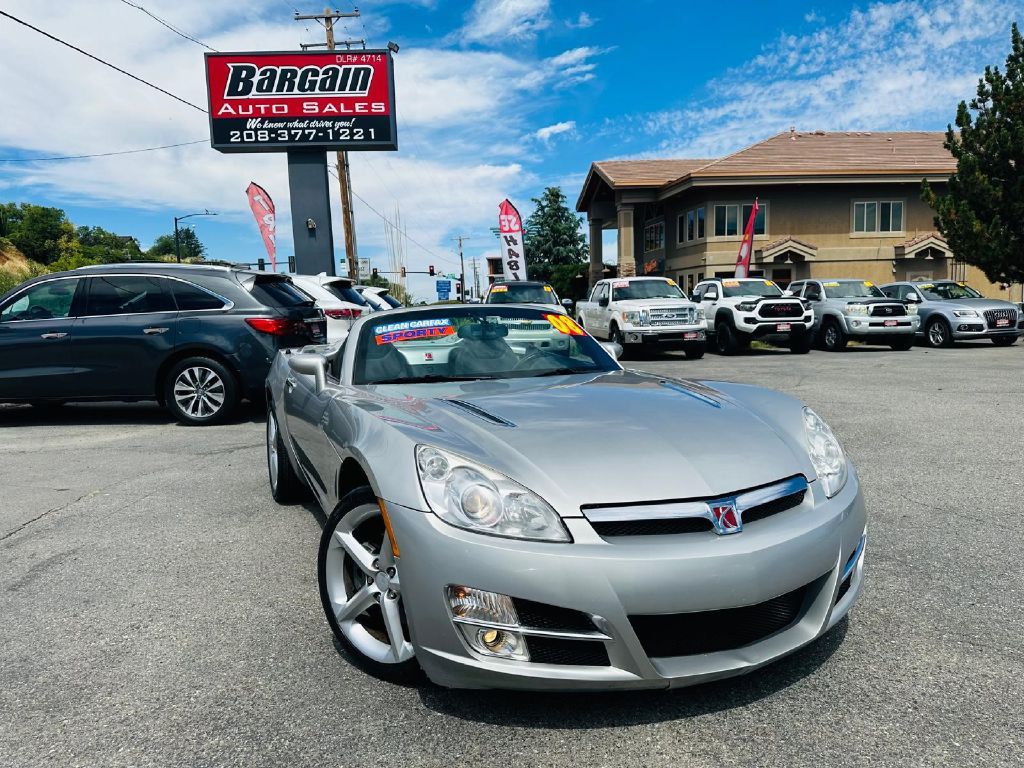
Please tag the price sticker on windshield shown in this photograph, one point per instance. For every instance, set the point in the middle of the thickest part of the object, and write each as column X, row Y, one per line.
column 565, row 324
column 731, row 283
column 833, row 284
column 868, row 284
column 499, row 289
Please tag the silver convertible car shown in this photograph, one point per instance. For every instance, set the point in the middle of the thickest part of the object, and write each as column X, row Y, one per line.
column 509, row 508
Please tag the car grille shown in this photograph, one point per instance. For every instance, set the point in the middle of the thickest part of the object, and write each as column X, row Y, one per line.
column 781, row 309
column 888, row 310
column 993, row 315
column 672, row 316
column 608, row 525
column 686, row 634
column 544, row 616
column 577, row 653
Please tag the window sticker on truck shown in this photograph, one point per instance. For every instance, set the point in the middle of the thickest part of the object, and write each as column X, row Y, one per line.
column 731, row 283
column 499, row 289
column 620, row 284
column 831, row 285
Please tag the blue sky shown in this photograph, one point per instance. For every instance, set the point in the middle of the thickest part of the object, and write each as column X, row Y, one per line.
column 495, row 99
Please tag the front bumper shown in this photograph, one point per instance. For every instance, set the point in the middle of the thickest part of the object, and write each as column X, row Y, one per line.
column 858, row 325
column 973, row 328
column 760, row 327
column 809, row 546
column 662, row 334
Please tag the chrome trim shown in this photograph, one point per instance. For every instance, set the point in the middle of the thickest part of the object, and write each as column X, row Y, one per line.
column 565, row 635
column 701, row 508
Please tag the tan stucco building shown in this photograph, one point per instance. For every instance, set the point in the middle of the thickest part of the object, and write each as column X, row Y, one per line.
column 839, row 204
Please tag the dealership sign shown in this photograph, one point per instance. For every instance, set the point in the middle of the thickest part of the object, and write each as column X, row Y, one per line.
column 276, row 102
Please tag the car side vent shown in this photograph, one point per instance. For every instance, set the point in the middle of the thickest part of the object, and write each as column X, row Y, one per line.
column 478, row 412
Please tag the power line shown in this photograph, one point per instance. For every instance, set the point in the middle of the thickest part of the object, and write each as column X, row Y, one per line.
column 170, row 26
column 100, row 154
column 397, row 229
column 101, row 61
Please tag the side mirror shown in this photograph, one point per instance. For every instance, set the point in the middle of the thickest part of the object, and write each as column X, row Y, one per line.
column 566, row 303
column 710, row 295
column 310, row 364
column 603, row 301
column 613, row 349
column 913, row 298
column 787, row 292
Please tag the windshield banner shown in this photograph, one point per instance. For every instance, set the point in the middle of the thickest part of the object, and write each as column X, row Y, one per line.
column 413, row 329
column 510, row 228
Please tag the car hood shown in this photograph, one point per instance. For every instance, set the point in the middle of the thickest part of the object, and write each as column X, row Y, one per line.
column 978, row 304
column 865, row 300
column 609, row 438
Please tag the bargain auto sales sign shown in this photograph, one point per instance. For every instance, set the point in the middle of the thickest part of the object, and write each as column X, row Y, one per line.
column 275, row 102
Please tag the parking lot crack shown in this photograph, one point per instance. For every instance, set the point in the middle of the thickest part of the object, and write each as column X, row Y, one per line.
column 41, row 515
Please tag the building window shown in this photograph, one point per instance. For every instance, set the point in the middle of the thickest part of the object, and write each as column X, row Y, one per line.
column 691, row 226
column 654, row 236
column 700, row 223
column 731, row 219
column 878, row 216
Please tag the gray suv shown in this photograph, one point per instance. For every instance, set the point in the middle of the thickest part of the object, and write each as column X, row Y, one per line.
column 856, row 309
column 952, row 311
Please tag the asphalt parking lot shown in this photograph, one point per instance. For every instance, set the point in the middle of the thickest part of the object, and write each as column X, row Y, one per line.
column 159, row 609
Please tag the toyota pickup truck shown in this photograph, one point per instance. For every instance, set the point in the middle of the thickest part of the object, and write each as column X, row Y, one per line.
column 846, row 309
column 738, row 310
column 638, row 311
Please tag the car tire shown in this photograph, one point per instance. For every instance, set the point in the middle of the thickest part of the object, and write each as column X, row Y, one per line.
column 354, row 550
column 1004, row 341
column 725, row 338
column 286, row 486
column 200, row 391
column 938, row 334
column 902, row 344
column 695, row 351
column 833, row 338
column 800, row 344
column 617, row 336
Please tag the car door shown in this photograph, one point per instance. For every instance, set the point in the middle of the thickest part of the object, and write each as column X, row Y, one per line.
column 709, row 301
column 602, row 314
column 37, row 326
column 306, row 415
column 814, row 293
column 127, row 330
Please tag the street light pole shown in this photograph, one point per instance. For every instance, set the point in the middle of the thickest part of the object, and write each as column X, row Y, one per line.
column 177, row 237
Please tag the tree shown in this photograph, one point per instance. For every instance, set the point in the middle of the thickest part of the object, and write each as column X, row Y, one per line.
column 103, row 247
column 192, row 247
column 556, row 248
column 982, row 214
column 36, row 231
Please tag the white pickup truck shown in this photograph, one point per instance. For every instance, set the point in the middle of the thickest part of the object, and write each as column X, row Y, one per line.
column 636, row 311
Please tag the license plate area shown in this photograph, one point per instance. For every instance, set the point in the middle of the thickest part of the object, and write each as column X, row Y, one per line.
column 890, row 323
column 783, row 327
column 1002, row 322
column 690, row 335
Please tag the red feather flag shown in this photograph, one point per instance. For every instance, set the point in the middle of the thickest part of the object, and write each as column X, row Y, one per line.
column 747, row 245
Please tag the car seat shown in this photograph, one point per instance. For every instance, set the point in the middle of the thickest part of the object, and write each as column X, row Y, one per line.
column 482, row 350
column 383, row 362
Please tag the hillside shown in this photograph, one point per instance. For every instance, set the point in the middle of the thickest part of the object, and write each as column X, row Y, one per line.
column 11, row 259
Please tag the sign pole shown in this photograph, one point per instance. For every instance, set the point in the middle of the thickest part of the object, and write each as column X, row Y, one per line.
column 311, row 212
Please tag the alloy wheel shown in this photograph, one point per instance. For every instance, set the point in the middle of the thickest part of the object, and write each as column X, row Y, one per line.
column 199, row 392
column 272, row 457
column 831, row 336
column 364, row 587
column 937, row 334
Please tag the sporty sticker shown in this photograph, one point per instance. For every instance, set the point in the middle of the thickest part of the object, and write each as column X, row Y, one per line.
column 565, row 324
column 413, row 329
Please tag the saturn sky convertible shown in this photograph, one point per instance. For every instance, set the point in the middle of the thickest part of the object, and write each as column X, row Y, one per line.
column 509, row 508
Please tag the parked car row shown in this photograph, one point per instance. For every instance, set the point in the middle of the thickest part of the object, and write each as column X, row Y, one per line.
column 195, row 338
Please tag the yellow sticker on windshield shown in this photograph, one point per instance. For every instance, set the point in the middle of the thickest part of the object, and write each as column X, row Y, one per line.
column 926, row 285
column 868, row 284
column 565, row 324
column 962, row 283
column 547, row 288
column 672, row 283
column 731, row 283
column 831, row 285
column 499, row 289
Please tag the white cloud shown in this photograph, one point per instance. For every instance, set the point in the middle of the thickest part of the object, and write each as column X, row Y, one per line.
column 900, row 65
column 583, row 21
column 490, row 21
column 545, row 133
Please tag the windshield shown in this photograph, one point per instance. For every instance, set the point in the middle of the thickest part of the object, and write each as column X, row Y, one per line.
column 521, row 294
column 941, row 291
column 645, row 289
column 750, row 288
column 279, row 292
column 390, row 300
column 852, row 289
column 465, row 343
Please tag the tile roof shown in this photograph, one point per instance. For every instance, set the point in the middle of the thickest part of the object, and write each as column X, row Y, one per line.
column 645, row 173
column 786, row 239
column 922, row 238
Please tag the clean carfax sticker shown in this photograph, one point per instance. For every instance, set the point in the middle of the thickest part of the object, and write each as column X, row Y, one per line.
column 414, row 329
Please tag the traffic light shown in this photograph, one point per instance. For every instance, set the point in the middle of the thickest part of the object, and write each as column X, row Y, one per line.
column 458, row 291
column 430, row 269
column 401, row 271
column 374, row 273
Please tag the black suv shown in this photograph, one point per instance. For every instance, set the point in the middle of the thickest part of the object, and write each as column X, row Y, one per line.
column 196, row 338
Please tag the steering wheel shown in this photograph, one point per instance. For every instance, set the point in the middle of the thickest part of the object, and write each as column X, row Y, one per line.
column 36, row 312
column 528, row 361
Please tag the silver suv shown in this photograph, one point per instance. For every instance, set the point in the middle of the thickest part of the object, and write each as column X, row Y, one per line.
column 856, row 309
column 952, row 311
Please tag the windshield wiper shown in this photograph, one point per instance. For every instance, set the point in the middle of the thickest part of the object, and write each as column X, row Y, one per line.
column 430, row 377
column 564, row 372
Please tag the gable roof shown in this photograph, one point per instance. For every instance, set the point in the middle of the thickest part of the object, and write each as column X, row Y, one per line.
column 788, row 154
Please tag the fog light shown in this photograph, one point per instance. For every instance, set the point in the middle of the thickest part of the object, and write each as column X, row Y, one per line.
column 478, row 605
column 495, row 642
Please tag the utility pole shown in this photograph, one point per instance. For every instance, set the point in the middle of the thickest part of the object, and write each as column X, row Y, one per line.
column 344, row 176
column 476, row 280
column 462, row 268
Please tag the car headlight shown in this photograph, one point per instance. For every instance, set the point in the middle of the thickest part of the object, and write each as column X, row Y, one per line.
column 699, row 315
column 747, row 306
column 826, row 454
column 633, row 318
column 911, row 309
column 965, row 313
column 856, row 309
column 471, row 496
